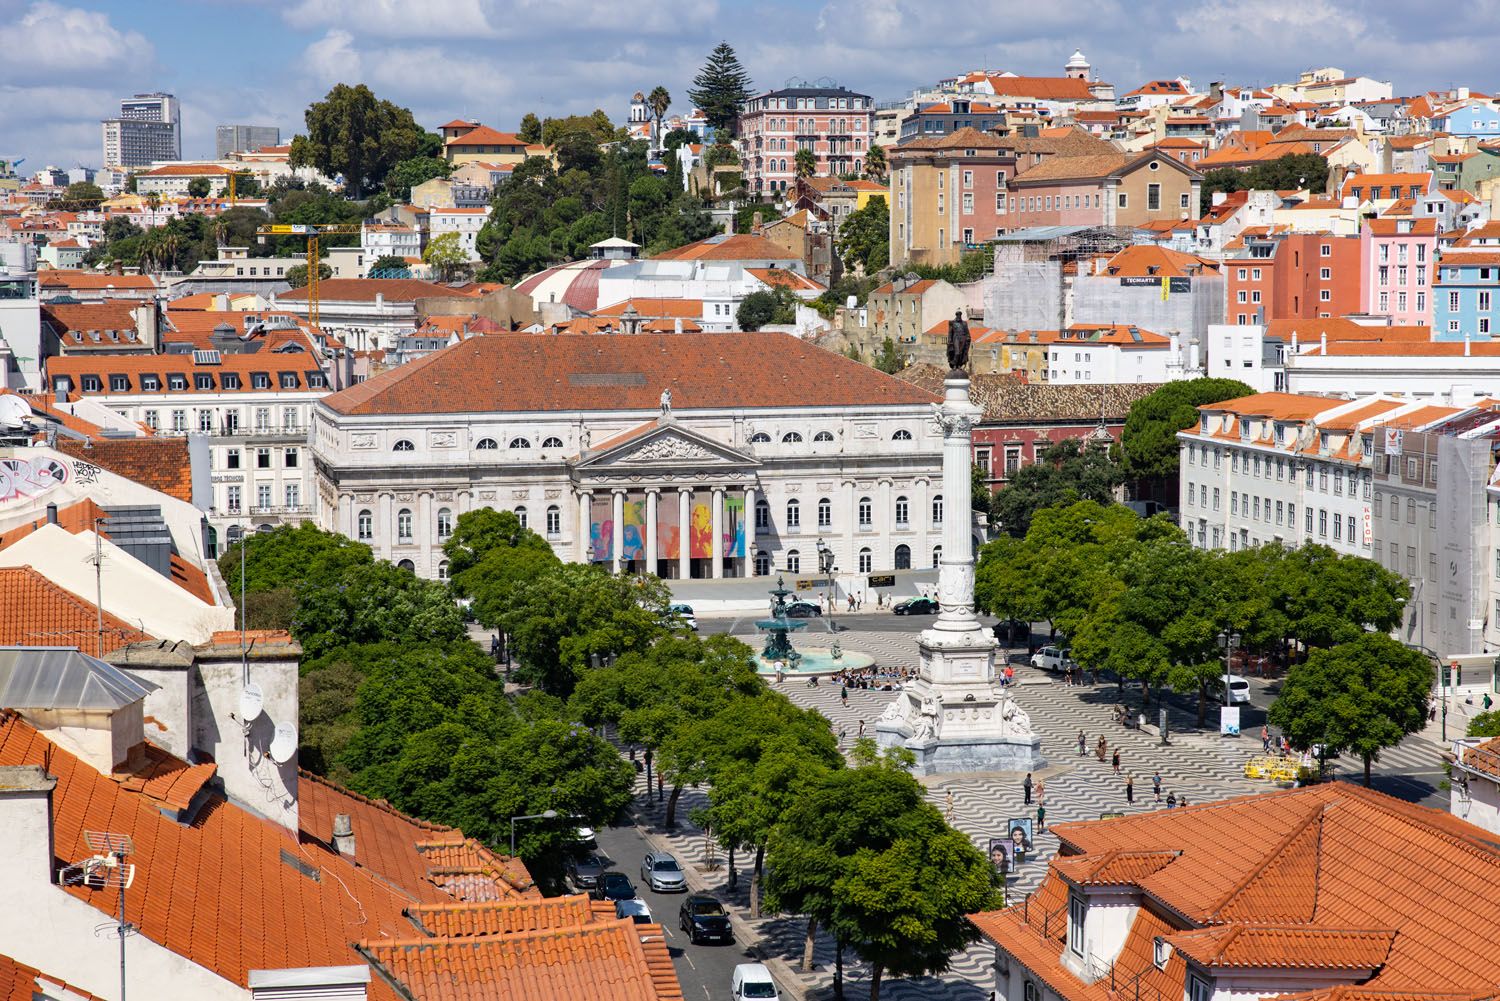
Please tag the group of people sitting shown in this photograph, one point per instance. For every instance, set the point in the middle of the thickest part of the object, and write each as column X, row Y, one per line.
column 874, row 679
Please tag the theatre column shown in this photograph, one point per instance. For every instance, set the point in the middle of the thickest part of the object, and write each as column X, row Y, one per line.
column 651, row 498
column 748, row 556
column 716, row 522
column 617, row 530
column 684, row 533
column 585, row 510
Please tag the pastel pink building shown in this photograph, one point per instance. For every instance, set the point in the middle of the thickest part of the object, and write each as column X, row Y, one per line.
column 1395, row 258
column 835, row 123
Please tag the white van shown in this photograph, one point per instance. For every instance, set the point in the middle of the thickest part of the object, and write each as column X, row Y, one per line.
column 1239, row 689
column 753, row 981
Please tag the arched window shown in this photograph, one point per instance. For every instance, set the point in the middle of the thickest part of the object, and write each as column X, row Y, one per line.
column 365, row 526
column 823, row 436
column 825, row 513
column 903, row 557
column 443, row 570
column 760, row 438
column 903, row 509
column 552, row 442
column 234, row 534
column 519, row 443
column 521, row 515
column 403, row 525
column 901, row 435
column 554, row 521
column 403, row 446
column 793, row 561
column 793, row 514
column 762, row 564
column 408, row 566
column 937, row 556
column 485, row 444
column 866, row 560
column 213, row 542
column 937, row 510
column 444, row 523
column 866, row 512
column 791, row 438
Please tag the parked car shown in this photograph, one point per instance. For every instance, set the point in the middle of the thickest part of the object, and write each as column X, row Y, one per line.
column 1012, row 631
column 683, row 614
column 584, row 870
column 613, row 885
column 1051, row 658
column 753, row 980
column 802, row 610
column 705, row 920
column 636, row 910
column 661, row 872
column 1239, row 689
column 919, row 605
column 583, row 835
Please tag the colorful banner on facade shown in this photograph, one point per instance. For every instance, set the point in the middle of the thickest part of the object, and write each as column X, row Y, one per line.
column 701, row 530
column 668, row 528
column 601, row 529
column 734, row 526
column 633, row 514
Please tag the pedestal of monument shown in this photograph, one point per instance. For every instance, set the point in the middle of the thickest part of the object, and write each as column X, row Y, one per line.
column 955, row 717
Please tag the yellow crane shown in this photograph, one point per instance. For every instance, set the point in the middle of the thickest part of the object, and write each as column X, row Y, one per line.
column 313, row 231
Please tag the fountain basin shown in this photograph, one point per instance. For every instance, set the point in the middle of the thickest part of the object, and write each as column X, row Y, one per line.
column 817, row 660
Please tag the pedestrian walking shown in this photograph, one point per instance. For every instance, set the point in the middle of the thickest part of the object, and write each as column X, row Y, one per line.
column 1265, row 739
column 1115, row 761
column 842, row 734
column 1101, row 749
column 1041, row 819
column 1026, row 788
column 1041, row 793
column 948, row 808
column 1130, row 789
column 861, row 728
column 844, row 694
column 1156, row 786
column 1083, row 744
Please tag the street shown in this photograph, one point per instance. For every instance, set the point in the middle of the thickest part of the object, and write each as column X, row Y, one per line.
column 704, row 970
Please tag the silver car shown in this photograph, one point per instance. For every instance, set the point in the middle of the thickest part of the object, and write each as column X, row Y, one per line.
column 661, row 873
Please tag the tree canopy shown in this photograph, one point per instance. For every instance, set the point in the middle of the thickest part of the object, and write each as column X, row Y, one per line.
column 864, row 242
column 355, row 135
column 1148, row 444
column 1287, row 173
column 491, row 553
column 417, row 170
column 1066, row 472
column 720, row 87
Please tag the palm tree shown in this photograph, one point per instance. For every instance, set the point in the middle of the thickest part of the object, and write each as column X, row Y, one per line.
column 875, row 165
column 659, row 101
column 807, row 163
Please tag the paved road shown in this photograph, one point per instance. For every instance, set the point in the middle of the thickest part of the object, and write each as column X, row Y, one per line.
column 704, row 970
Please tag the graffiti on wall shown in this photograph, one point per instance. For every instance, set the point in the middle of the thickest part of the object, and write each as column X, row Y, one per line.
column 26, row 478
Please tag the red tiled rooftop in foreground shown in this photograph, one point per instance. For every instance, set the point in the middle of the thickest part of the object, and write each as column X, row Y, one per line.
column 19, row 982
column 36, row 612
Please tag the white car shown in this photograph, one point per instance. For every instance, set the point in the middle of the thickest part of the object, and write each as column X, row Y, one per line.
column 1051, row 658
column 661, row 873
column 753, row 981
column 1239, row 689
column 636, row 910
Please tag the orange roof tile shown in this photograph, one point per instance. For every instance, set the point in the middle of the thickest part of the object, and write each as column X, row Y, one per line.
column 19, row 982
column 188, row 170
column 786, row 278
column 1420, row 417
column 1351, row 420
column 1148, row 260
column 1283, row 406
column 161, row 463
column 1285, row 947
column 651, row 308
column 64, row 279
column 274, row 364
column 506, row 917
column 165, row 779
column 1112, row 868
column 734, row 247
column 483, row 135
column 913, row 288
column 36, row 612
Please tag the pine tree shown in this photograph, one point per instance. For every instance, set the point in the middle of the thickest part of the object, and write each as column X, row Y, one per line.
column 720, row 87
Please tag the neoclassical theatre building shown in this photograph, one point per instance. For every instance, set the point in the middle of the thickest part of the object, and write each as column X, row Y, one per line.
column 690, row 455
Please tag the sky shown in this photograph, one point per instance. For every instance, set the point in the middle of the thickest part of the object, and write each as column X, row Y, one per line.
column 64, row 64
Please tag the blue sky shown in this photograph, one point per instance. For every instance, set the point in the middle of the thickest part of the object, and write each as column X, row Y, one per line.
column 65, row 63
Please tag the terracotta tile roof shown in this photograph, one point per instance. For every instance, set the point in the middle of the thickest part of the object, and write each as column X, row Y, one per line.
column 1351, row 420
column 1159, row 87
column 1078, row 142
column 188, row 170
column 1009, row 400
column 274, row 364
column 1285, row 947
column 620, row 960
column 200, row 300
column 192, row 580
column 1071, row 168
column 1407, row 349
column 1113, row 868
column 1139, row 260
column 365, row 290
column 76, row 517
column 510, row 372
column 388, row 842
column 1282, row 406
column 64, row 279
column 483, row 135
column 1393, row 227
column 786, row 278
column 1485, row 757
column 967, row 137
column 1420, row 417
column 19, row 982
column 162, row 778
column 1338, row 328
column 506, row 917
column 732, row 247
column 469, row 871
column 912, row 288
column 655, row 308
column 161, row 463
column 1041, row 88
column 36, row 612
column 1421, row 181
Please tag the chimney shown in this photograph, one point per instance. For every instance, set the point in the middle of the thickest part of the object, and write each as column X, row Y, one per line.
column 52, row 514
column 343, row 834
column 379, row 300
column 677, row 325
column 1216, row 91
column 1294, row 342
column 221, row 302
column 1323, row 342
column 26, row 825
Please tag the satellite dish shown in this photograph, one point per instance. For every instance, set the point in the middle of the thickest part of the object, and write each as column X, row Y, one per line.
column 284, row 744
column 14, row 411
column 251, row 702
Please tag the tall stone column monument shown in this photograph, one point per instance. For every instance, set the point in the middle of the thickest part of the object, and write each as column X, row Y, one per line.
column 955, row 716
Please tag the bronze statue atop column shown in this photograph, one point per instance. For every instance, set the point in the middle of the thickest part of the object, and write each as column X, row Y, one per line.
column 958, row 345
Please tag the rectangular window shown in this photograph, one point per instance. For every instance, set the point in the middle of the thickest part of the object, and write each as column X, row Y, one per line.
column 1350, row 522
column 1452, row 302
column 1124, row 200
column 263, row 496
column 179, row 420
column 232, row 499
column 1153, row 198
column 1338, row 534
column 151, row 420
column 1484, row 302
column 232, row 458
column 205, row 420
column 1216, row 501
column 1307, row 520
column 1322, row 522
column 293, row 495
column 262, row 458
column 1076, row 914
column 291, row 458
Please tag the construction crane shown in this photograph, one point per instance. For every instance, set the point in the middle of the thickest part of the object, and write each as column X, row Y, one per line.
column 313, row 231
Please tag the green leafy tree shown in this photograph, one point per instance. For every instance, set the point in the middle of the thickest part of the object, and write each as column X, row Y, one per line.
column 288, row 556
column 805, row 162
column 1225, row 179
column 417, row 170
column 82, row 195
column 389, row 262
column 373, row 603
column 246, row 185
column 1067, row 472
column 864, row 240
column 596, row 125
column 354, row 135
column 890, row 360
column 199, row 187
column 559, row 620
column 489, row 554
column 296, row 275
column 756, row 310
column 1361, row 696
column 720, row 87
column 445, row 255
column 1148, row 445
column 1330, row 598
column 875, row 162
column 531, row 128
column 1485, row 724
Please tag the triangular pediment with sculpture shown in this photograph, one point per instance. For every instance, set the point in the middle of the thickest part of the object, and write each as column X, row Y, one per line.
column 663, row 443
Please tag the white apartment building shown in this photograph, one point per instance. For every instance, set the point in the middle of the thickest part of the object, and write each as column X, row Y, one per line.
column 466, row 222
column 367, row 314
column 381, row 239
column 255, row 410
column 687, row 455
column 1091, row 354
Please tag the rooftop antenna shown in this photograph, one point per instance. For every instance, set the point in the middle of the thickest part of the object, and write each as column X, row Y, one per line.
column 103, row 870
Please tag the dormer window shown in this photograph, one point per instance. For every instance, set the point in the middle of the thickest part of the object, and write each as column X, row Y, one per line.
column 118, row 383
column 1161, row 952
column 1077, row 911
column 203, row 380
column 150, row 384
column 177, row 381
column 91, row 384
column 229, row 380
column 260, row 380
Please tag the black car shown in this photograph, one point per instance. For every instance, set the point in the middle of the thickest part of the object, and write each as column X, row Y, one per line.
column 613, row 885
column 803, row 610
column 1012, row 631
column 916, row 606
column 584, row 870
column 705, row 920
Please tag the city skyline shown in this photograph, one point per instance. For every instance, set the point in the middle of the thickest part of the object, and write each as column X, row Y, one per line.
column 71, row 63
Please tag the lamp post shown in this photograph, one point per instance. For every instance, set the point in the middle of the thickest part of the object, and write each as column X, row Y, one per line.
column 825, row 565
column 754, row 559
column 1228, row 641
column 544, row 815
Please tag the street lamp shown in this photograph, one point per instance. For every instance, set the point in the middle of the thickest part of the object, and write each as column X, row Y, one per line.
column 1228, row 641
column 754, row 559
column 544, row 815
column 825, row 565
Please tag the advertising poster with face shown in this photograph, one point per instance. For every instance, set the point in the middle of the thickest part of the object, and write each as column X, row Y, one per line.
column 1000, row 855
column 1020, row 833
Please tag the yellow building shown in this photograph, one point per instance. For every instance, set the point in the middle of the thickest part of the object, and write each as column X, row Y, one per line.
column 469, row 142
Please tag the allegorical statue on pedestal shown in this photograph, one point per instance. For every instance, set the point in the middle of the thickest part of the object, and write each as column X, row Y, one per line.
column 958, row 344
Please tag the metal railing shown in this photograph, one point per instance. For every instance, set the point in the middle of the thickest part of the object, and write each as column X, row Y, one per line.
column 278, row 509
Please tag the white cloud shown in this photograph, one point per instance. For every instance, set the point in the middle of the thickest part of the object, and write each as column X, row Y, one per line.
column 333, row 59
column 51, row 38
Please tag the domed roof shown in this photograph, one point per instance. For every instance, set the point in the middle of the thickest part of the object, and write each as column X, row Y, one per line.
column 1077, row 60
column 638, row 98
column 575, row 283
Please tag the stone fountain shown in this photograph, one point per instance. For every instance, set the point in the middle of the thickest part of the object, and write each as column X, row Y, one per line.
column 778, row 629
